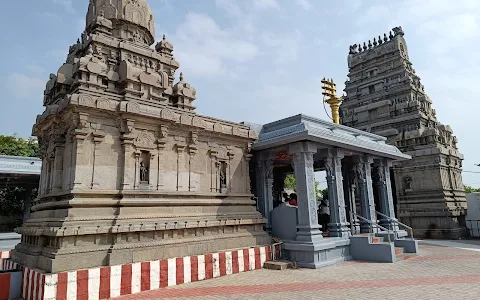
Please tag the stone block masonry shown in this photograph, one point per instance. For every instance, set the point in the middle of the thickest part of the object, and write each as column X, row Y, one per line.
column 127, row 279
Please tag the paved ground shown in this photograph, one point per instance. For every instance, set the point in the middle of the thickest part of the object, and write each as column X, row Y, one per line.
column 443, row 270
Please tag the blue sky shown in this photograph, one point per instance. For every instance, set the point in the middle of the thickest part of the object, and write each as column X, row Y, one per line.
column 260, row 60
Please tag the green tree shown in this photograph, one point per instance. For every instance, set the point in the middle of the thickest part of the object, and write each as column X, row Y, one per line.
column 469, row 189
column 15, row 146
column 290, row 183
column 12, row 197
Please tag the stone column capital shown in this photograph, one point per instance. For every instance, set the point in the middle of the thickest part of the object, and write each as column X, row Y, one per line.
column 363, row 158
column 302, row 147
column 333, row 153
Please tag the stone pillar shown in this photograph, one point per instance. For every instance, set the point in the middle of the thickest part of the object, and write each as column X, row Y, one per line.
column 383, row 185
column 248, row 158
column 365, row 190
column 129, row 167
column 260, row 183
column 213, row 168
column 182, row 174
column 338, row 226
column 58, row 168
column 77, row 153
column 268, row 194
column 229, row 174
column 160, row 158
column 308, row 228
column 97, row 141
column 349, row 194
column 192, row 182
column 152, row 175
column 136, row 181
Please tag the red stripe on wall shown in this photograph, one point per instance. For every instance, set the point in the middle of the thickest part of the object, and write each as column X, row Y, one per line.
column 208, row 266
column 145, row 277
column 82, row 285
column 180, row 272
column 223, row 263
column 105, row 283
column 31, row 289
column 126, row 280
column 42, row 294
column 5, row 286
column 268, row 252
column 258, row 263
column 235, row 267
column 246, row 260
column 38, row 277
column 62, row 286
column 163, row 273
column 24, row 281
column 194, row 268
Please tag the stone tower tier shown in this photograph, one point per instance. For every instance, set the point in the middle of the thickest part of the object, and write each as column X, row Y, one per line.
column 384, row 95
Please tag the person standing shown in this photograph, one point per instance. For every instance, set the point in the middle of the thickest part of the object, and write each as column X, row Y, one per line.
column 324, row 214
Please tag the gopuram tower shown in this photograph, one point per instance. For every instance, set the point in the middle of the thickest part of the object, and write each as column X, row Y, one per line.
column 385, row 96
column 130, row 172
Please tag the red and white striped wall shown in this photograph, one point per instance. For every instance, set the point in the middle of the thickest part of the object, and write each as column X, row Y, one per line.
column 113, row 281
column 8, row 265
column 4, row 255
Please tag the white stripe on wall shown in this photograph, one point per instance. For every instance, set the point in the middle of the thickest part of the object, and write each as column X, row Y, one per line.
column 172, row 272
column 115, row 280
column 187, row 269
column 154, row 275
column 136, row 277
column 94, row 284
column 201, row 267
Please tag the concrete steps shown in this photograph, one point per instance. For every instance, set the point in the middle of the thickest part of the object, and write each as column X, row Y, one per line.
column 377, row 248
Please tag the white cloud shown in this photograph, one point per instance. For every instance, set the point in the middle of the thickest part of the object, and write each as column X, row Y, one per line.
column 286, row 47
column 25, row 86
column 204, row 48
column 305, row 4
column 66, row 4
column 373, row 14
column 265, row 4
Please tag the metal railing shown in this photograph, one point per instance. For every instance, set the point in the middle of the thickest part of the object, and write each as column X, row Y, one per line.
column 398, row 223
column 372, row 225
column 473, row 231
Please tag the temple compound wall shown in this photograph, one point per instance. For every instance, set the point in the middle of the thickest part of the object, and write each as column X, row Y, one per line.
column 384, row 95
column 130, row 172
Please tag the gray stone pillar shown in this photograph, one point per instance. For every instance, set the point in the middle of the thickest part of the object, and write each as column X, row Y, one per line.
column 308, row 228
column 268, row 192
column 260, row 183
column 349, row 194
column 383, row 185
column 365, row 190
column 57, row 171
column 338, row 226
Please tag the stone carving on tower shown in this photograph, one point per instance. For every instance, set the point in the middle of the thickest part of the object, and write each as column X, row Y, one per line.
column 385, row 96
column 129, row 173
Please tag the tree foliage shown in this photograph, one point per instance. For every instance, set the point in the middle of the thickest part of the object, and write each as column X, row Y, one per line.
column 12, row 197
column 15, row 146
column 469, row 189
column 290, row 183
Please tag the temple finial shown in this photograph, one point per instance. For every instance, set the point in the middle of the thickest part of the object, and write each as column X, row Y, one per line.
column 181, row 76
column 164, row 37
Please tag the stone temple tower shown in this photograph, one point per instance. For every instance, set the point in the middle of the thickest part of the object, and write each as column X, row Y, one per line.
column 130, row 172
column 385, row 96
